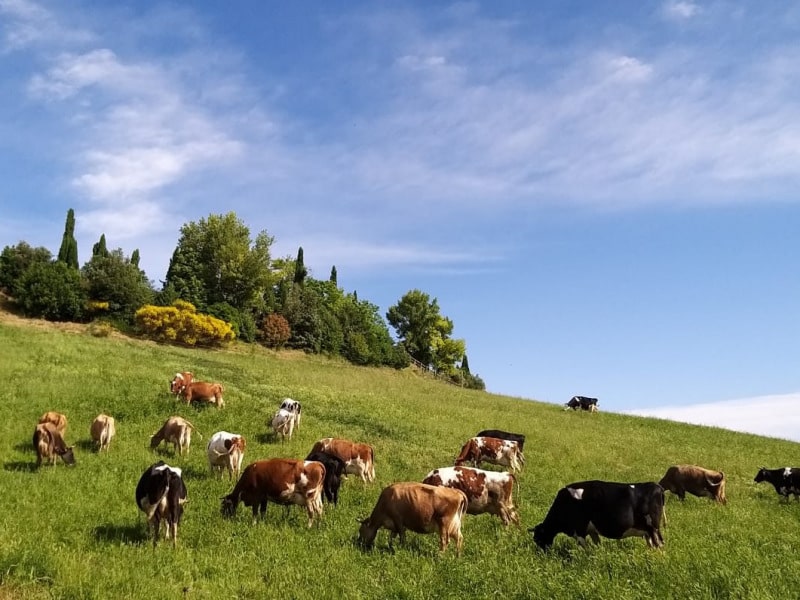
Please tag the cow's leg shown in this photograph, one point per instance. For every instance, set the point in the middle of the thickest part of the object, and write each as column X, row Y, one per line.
column 263, row 509
column 255, row 513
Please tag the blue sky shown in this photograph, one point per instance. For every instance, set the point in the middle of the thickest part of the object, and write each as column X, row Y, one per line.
column 601, row 195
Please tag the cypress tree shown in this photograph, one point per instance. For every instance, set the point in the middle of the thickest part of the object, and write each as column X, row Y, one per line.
column 465, row 365
column 300, row 270
column 333, row 275
column 135, row 258
column 68, row 253
column 100, row 249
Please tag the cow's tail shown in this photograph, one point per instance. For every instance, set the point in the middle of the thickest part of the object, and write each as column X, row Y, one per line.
column 193, row 428
column 371, row 463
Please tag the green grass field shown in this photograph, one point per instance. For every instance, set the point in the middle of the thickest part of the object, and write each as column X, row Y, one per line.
column 77, row 533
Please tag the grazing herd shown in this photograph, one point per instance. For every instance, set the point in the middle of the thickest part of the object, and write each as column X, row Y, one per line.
column 585, row 509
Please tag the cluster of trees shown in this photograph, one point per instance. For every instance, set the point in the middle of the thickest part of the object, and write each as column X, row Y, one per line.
column 222, row 271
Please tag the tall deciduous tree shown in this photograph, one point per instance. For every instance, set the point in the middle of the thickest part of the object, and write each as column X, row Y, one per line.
column 216, row 261
column 414, row 318
column 68, row 253
column 111, row 278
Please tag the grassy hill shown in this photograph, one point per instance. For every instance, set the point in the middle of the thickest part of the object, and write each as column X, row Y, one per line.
column 76, row 532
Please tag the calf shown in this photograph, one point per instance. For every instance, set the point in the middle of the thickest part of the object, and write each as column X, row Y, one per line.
column 613, row 510
column 202, row 391
column 359, row 459
column 161, row 494
column 176, row 431
column 492, row 450
column 582, row 402
column 786, row 481
column 49, row 444
column 334, row 469
column 419, row 507
column 103, row 429
column 293, row 406
column 180, row 380
column 504, row 435
column 225, row 452
column 486, row 491
column 280, row 480
column 698, row 481
column 57, row 419
column 282, row 423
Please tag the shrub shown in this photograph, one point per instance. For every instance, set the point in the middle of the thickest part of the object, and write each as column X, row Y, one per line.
column 53, row 291
column 100, row 329
column 15, row 260
column 275, row 331
column 182, row 323
column 243, row 323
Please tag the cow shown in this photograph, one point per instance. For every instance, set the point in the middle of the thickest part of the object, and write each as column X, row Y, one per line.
column 48, row 443
column 180, row 380
column 486, row 491
column 280, row 480
column 492, row 450
column 504, row 435
column 103, row 429
column 202, row 391
column 786, row 481
column 294, row 407
column 613, row 510
column 57, row 419
column 698, row 481
column 334, row 469
column 582, row 402
column 420, row 508
column 282, row 423
column 359, row 459
column 225, row 452
column 161, row 494
column 176, row 431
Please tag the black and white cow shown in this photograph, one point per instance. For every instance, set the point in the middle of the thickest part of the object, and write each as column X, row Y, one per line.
column 786, row 480
column 294, row 407
column 334, row 470
column 582, row 402
column 161, row 494
column 504, row 435
column 613, row 510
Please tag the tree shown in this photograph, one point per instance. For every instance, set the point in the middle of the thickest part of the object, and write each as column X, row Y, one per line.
column 216, row 261
column 68, row 253
column 135, row 258
column 300, row 270
column 53, row 291
column 415, row 318
column 465, row 365
column 333, row 277
column 111, row 278
column 100, row 249
column 15, row 260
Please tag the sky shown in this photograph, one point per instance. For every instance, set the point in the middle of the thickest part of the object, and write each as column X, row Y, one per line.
column 601, row 195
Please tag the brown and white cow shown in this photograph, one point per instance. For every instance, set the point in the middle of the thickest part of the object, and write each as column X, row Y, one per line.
column 225, row 452
column 359, row 459
column 180, row 380
column 57, row 419
column 176, row 431
column 280, row 480
column 492, row 450
column 283, row 423
column 202, row 391
column 103, row 429
column 487, row 491
column 420, row 508
column 698, row 481
column 49, row 444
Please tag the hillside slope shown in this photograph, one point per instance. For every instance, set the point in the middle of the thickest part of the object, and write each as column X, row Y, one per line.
column 76, row 533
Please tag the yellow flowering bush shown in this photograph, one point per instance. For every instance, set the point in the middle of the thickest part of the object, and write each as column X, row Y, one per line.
column 182, row 323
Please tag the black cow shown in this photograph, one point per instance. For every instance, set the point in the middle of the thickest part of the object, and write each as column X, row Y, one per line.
column 786, row 480
column 503, row 435
column 613, row 510
column 582, row 402
column 161, row 494
column 334, row 469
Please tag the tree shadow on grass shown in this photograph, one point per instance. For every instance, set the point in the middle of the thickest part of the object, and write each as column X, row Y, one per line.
column 130, row 534
column 18, row 466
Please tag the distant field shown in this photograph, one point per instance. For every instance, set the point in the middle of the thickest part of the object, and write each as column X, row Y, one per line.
column 76, row 532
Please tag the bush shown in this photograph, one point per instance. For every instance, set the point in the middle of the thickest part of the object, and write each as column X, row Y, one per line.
column 53, row 291
column 15, row 260
column 182, row 323
column 275, row 331
column 243, row 323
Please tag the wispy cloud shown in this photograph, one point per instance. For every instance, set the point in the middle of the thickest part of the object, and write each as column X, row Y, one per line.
column 774, row 416
column 680, row 9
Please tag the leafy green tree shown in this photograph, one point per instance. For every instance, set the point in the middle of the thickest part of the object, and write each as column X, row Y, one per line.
column 300, row 271
column 216, row 261
column 109, row 277
column 100, row 249
column 68, row 253
column 15, row 260
column 415, row 318
column 303, row 315
column 53, row 291
column 242, row 322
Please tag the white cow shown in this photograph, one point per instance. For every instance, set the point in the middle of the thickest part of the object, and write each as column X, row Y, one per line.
column 293, row 406
column 225, row 452
column 283, row 423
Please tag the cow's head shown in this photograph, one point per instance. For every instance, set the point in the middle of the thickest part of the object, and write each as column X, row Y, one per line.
column 762, row 475
column 228, row 507
column 542, row 537
column 67, row 456
column 366, row 534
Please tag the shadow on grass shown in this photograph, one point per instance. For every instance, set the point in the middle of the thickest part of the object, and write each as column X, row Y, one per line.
column 19, row 466
column 86, row 446
column 24, row 447
column 192, row 472
column 131, row 534
column 267, row 438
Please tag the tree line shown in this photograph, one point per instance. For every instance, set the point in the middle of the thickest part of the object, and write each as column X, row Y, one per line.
column 222, row 271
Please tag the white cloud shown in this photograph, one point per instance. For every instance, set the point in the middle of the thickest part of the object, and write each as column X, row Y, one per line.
column 679, row 9
column 25, row 23
column 774, row 416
